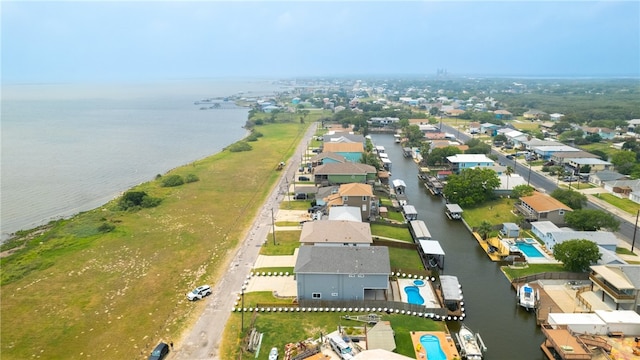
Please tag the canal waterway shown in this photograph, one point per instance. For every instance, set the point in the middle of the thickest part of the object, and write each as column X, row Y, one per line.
column 489, row 301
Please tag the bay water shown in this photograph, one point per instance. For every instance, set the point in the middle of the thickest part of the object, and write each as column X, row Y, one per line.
column 68, row 148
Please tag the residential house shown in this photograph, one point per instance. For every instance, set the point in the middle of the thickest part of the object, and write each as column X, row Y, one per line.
column 333, row 136
column 532, row 142
column 357, row 195
column 503, row 115
column 545, row 152
column 507, row 183
column 561, row 157
column 556, row 116
column 605, row 133
column 552, row 235
column 335, row 233
column 540, row 207
column 352, row 151
column 382, row 121
column 474, row 127
column 632, row 124
column 594, row 165
column 335, row 174
column 435, row 144
column 623, row 188
column 327, row 158
column 489, row 128
column 460, row 162
column 601, row 177
column 333, row 273
column 617, row 284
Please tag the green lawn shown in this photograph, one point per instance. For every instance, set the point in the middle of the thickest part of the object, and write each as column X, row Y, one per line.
column 405, row 259
column 285, row 244
column 531, row 269
column 623, row 204
column 496, row 212
column 400, row 233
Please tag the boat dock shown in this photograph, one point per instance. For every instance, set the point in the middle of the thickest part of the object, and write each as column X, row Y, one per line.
column 495, row 249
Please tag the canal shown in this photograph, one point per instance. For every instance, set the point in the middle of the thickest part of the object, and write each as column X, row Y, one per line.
column 490, row 303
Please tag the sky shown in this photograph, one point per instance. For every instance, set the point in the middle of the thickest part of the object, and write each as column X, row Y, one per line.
column 103, row 41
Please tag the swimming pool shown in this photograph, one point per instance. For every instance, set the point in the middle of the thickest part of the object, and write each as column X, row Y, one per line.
column 413, row 295
column 431, row 345
column 529, row 250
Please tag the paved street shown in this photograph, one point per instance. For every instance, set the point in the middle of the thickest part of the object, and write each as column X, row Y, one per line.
column 203, row 340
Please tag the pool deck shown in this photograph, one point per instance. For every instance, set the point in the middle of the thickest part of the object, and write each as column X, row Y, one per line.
column 426, row 291
column 446, row 344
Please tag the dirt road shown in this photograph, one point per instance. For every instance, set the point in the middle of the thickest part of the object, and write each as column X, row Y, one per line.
column 202, row 341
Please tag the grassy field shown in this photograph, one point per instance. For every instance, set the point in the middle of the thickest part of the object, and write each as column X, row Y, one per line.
column 286, row 243
column 394, row 232
column 623, row 204
column 531, row 269
column 314, row 324
column 73, row 292
column 496, row 212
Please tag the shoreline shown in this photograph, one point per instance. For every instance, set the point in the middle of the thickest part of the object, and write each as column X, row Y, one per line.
column 43, row 224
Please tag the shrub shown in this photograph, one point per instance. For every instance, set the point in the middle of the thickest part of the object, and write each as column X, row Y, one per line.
column 172, row 180
column 191, row 178
column 132, row 200
column 239, row 146
column 106, row 227
column 254, row 136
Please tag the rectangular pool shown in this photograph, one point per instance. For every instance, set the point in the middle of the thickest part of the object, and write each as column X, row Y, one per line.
column 529, row 250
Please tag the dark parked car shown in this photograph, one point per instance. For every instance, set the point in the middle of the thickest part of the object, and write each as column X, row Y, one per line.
column 314, row 209
column 303, row 178
column 160, row 352
column 300, row 196
column 510, row 157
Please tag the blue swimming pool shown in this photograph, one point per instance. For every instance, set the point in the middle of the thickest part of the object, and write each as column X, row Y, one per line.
column 431, row 345
column 529, row 250
column 413, row 295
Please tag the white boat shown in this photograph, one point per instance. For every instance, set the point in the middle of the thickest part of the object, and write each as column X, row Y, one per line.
column 528, row 297
column 471, row 344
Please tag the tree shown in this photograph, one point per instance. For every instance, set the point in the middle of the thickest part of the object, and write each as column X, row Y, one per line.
column 484, row 229
column 591, row 220
column 577, row 255
column 508, row 171
column 414, row 135
column 571, row 198
column 623, row 160
column 471, row 187
column 522, row 190
column 439, row 155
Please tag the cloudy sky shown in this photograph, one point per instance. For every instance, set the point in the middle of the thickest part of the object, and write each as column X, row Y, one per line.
column 80, row 41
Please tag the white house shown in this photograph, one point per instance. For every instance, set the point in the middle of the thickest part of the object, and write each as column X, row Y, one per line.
column 551, row 235
column 460, row 162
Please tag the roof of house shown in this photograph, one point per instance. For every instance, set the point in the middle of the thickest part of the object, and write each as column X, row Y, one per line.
column 598, row 237
column 545, row 227
column 574, row 154
column 344, row 169
column 554, row 148
column 588, row 161
column 615, row 275
column 343, row 147
column 355, row 189
column 469, row 158
column 343, row 135
column 502, row 112
column 328, row 155
column 607, row 175
column 538, row 142
column 343, row 260
column 336, row 231
column 633, row 184
column 345, row 213
column 543, row 203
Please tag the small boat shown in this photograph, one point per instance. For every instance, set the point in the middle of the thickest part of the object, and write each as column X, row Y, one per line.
column 527, row 296
column 470, row 343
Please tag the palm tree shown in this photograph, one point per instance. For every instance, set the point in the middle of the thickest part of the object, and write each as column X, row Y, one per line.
column 508, row 172
column 484, row 229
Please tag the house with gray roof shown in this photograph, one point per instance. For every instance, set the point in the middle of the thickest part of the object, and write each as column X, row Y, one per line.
column 552, row 235
column 562, row 157
column 332, row 273
column 546, row 152
column 344, row 173
column 622, row 188
column 343, row 137
column 600, row 177
column 594, row 164
column 336, row 233
column 345, row 213
column 618, row 285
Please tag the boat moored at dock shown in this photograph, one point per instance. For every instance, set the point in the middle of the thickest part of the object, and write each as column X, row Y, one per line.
column 528, row 297
column 470, row 344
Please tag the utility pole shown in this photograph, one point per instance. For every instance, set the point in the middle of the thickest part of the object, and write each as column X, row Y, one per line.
column 242, row 310
column 635, row 229
column 273, row 227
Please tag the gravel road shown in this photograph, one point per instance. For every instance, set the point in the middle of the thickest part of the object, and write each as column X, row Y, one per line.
column 202, row 341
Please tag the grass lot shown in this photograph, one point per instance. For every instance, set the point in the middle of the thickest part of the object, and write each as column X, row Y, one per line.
column 90, row 292
column 496, row 212
column 286, row 242
column 625, row 251
column 623, row 204
column 400, row 233
column 405, row 259
column 602, row 146
column 531, row 270
column 525, row 125
column 290, row 204
column 274, row 324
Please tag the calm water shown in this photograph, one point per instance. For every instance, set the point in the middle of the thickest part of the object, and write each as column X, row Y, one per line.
column 489, row 301
column 71, row 148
